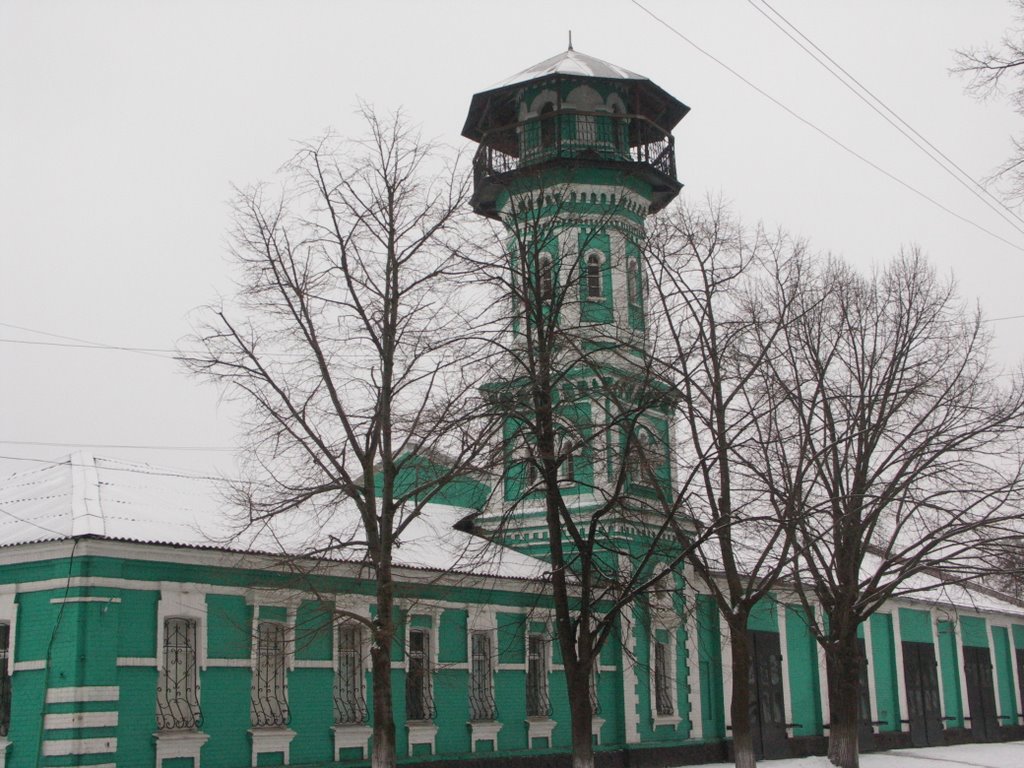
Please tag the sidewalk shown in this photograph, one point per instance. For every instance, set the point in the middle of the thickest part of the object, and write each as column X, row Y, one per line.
column 1008, row 755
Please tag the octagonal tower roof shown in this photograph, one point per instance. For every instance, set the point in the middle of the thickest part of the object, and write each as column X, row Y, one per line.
column 496, row 106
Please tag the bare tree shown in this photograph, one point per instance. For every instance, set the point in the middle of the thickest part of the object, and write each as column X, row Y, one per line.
column 579, row 395
column 353, row 351
column 711, row 277
column 898, row 458
column 992, row 71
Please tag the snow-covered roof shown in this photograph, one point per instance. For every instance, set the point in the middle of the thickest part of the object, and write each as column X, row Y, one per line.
column 570, row 62
column 84, row 495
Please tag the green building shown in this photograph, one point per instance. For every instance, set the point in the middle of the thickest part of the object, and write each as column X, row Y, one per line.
column 135, row 632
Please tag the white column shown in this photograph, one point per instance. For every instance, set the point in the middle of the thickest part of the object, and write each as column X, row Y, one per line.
column 964, row 698
column 726, row 654
column 870, row 661
column 995, row 677
column 937, row 650
column 826, row 711
column 901, row 683
column 787, row 693
column 693, row 672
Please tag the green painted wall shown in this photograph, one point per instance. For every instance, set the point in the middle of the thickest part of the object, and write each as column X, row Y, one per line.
column 915, row 626
column 949, row 668
column 765, row 616
column 709, row 652
column 883, row 650
column 804, row 683
column 973, row 632
column 1004, row 676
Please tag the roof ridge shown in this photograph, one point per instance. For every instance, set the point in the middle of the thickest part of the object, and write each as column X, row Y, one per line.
column 86, row 509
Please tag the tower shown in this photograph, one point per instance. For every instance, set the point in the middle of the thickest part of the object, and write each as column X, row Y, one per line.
column 574, row 153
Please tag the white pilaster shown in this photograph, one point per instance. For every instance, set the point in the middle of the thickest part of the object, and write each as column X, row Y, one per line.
column 901, row 683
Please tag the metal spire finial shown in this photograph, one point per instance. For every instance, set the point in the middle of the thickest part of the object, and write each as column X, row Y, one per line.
column 570, row 39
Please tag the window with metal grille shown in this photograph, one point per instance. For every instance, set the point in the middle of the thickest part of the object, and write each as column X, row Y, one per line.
column 481, row 678
column 177, row 692
column 537, row 702
column 5, row 679
column 269, row 694
column 594, row 288
column 349, row 683
column 663, row 680
column 419, row 699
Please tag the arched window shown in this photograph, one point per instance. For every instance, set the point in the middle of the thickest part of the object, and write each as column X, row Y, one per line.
column 633, row 282
column 547, row 126
column 644, row 457
column 594, row 287
column 544, row 268
column 567, row 458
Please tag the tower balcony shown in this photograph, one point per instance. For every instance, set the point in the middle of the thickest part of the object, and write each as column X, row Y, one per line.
column 630, row 144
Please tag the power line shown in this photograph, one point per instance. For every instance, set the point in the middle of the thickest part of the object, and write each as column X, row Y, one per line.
column 138, row 470
column 932, row 152
column 119, row 446
column 73, row 342
column 820, row 130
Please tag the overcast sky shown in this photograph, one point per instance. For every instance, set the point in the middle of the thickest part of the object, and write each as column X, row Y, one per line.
column 124, row 125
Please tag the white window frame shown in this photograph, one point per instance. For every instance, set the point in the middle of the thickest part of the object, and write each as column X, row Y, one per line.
column 423, row 731
column 180, row 600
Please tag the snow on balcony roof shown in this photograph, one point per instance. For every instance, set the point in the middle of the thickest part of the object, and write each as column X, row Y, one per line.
column 83, row 495
column 570, row 62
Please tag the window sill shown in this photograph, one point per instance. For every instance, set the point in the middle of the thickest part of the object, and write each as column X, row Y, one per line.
column 421, row 732
column 170, row 744
column 484, row 730
column 539, row 727
column 271, row 739
column 660, row 720
column 351, row 736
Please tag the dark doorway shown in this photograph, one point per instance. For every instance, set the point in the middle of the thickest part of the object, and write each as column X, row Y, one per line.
column 920, row 672
column 1020, row 676
column 981, row 695
column 767, row 705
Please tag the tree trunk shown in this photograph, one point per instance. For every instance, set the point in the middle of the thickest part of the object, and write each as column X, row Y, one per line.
column 742, row 736
column 380, row 660
column 582, row 716
column 844, row 699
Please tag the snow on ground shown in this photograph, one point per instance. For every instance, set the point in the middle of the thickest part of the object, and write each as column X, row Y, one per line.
column 1009, row 755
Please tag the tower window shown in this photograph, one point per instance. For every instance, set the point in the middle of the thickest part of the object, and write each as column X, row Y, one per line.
column 547, row 126
column 633, row 283
column 594, row 287
column 663, row 680
column 644, row 458
column 617, row 126
column 545, row 277
column 567, row 459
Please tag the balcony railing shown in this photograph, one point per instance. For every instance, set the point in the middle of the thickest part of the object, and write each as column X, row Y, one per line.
column 568, row 135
